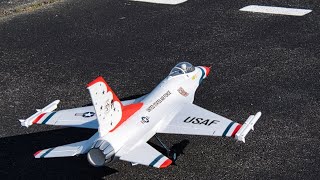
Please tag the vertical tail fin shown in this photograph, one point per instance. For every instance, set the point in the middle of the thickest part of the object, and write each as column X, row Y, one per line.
column 109, row 109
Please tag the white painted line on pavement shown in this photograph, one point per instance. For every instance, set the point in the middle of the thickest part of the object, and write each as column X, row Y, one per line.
column 276, row 10
column 171, row 2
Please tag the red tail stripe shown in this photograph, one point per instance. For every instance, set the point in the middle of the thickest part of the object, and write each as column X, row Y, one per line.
column 127, row 111
column 236, row 130
column 207, row 70
column 100, row 79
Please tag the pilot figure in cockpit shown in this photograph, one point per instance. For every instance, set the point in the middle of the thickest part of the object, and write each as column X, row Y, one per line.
column 184, row 67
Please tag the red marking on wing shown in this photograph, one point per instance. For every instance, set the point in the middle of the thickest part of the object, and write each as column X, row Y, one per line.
column 35, row 154
column 38, row 118
column 166, row 163
column 100, row 79
column 127, row 111
column 236, row 130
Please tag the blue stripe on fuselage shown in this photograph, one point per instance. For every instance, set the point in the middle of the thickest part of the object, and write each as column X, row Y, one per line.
column 203, row 73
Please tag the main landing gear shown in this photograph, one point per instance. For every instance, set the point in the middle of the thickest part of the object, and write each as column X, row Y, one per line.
column 170, row 153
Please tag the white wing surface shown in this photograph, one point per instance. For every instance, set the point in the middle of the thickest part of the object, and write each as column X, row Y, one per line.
column 194, row 120
column 82, row 117
column 146, row 155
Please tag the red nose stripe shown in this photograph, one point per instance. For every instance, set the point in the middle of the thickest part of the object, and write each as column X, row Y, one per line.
column 207, row 70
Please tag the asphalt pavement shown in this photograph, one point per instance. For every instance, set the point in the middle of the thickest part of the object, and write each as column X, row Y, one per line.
column 260, row 62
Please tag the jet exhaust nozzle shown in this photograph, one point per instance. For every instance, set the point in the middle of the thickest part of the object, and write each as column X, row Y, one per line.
column 101, row 153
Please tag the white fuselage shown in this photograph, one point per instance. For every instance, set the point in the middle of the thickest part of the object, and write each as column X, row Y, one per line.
column 159, row 108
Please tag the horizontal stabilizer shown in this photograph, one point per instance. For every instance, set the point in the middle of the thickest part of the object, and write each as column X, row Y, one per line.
column 61, row 151
column 247, row 126
column 146, row 155
column 67, row 150
column 40, row 112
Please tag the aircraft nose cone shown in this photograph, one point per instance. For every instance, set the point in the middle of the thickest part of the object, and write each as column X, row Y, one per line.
column 207, row 69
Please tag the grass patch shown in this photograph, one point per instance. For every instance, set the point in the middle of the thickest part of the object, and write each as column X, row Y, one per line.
column 30, row 7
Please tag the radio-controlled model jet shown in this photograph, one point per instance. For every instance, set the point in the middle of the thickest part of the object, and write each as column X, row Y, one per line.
column 124, row 127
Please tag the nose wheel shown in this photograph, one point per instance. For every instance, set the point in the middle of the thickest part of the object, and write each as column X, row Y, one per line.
column 170, row 153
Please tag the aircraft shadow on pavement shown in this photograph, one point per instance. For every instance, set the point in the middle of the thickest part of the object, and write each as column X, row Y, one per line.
column 17, row 161
column 177, row 148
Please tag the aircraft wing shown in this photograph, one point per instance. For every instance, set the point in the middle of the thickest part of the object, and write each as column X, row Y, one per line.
column 68, row 149
column 194, row 120
column 146, row 155
column 82, row 117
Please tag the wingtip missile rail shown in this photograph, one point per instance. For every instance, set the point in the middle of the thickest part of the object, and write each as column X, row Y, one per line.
column 247, row 126
column 49, row 108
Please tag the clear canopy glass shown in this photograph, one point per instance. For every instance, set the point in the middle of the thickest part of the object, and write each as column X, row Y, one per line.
column 182, row 68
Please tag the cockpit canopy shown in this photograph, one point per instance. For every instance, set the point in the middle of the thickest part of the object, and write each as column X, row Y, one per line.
column 182, row 68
